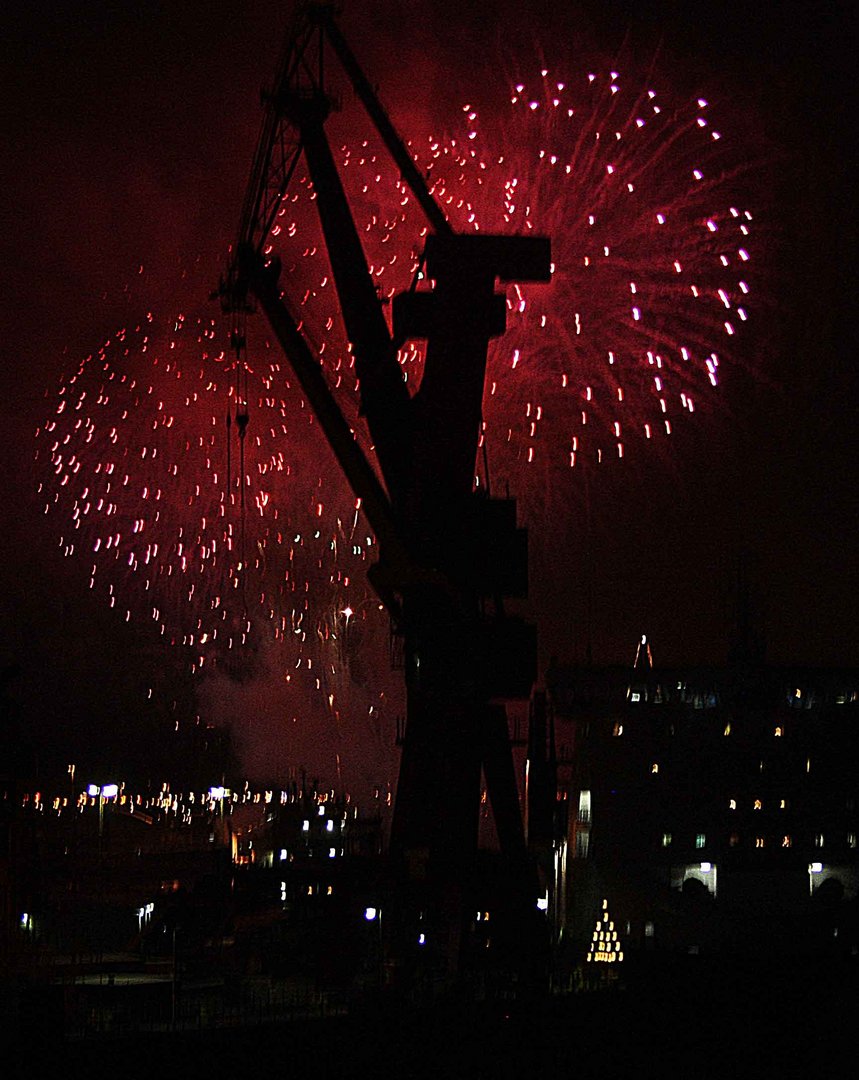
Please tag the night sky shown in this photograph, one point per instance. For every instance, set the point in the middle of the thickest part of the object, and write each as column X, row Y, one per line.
column 129, row 131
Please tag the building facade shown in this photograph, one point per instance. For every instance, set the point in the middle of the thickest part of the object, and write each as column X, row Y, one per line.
column 715, row 807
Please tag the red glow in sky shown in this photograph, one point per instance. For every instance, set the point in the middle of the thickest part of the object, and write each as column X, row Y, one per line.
column 133, row 137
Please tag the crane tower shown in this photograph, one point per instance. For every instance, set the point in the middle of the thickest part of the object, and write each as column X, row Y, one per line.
column 449, row 555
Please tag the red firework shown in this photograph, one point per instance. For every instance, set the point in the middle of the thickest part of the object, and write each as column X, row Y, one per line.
column 224, row 552
column 651, row 247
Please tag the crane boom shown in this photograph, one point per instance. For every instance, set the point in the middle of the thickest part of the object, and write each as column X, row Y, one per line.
column 262, row 280
column 397, row 149
column 444, row 548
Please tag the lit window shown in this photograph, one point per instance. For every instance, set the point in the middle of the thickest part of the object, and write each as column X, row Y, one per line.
column 700, row 840
column 654, row 768
column 649, row 929
column 727, row 730
column 666, row 839
column 585, row 807
column 778, row 732
column 732, row 804
column 785, row 841
column 758, row 804
column 329, row 825
column 760, row 841
column 305, row 826
column 783, row 804
column 582, row 842
column 851, row 839
column 818, row 840
column 617, row 729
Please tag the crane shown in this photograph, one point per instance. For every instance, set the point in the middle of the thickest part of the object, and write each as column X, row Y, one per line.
column 449, row 556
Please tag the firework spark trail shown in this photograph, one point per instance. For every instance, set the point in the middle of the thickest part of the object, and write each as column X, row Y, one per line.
column 651, row 241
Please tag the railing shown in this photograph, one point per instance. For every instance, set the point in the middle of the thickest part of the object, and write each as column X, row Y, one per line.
column 196, row 1009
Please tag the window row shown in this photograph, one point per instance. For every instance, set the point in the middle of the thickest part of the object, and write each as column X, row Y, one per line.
column 784, row 840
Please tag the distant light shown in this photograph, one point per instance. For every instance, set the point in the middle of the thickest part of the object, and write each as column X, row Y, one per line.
column 110, row 791
column 706, row 867
column 370, row 913
column 815, row 868
column 543, row 903
column 422, row 939
column 305, row 826
column 283, row 854
column 93, row 790
column 217, row 792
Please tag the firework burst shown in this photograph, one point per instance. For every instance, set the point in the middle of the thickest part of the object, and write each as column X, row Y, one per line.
column 227, row 552
column 651, row 238
column 222, row 552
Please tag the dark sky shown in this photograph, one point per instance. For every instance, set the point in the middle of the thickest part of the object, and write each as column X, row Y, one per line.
column 128, row 134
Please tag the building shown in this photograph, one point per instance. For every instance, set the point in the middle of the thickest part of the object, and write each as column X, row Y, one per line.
column 713, row 807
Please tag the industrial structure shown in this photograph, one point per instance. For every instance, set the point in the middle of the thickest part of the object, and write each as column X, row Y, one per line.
column 714, row 806
column 449, row 555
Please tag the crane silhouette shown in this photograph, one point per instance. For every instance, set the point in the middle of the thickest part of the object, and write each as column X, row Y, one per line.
column 449, row 555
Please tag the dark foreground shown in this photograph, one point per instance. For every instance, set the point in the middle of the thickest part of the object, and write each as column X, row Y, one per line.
column 706, row 1022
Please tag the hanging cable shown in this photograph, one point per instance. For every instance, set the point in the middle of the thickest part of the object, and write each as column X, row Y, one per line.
column 238, row 342
column 486, row 478
column 229, row 488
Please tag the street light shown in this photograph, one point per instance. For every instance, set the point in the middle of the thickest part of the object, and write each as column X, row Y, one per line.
column 813, row 869
column 218, row 794
column 106, row 791
column 374, row 914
